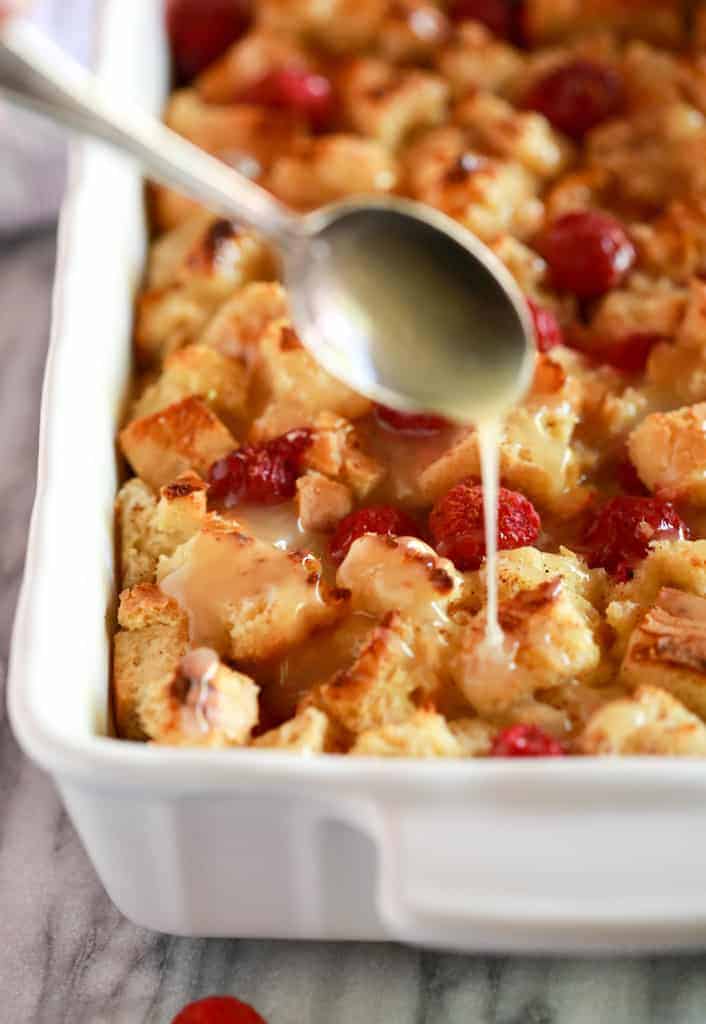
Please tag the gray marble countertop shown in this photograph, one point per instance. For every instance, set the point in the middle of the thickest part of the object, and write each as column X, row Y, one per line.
column 69, row 956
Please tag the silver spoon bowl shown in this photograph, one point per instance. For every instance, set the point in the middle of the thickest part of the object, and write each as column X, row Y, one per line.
column 390, row 296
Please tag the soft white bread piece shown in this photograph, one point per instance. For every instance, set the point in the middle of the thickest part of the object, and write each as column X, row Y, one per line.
column 549, row 639
column 376, row 689
column 668, row 450
column 668, row 649
column 337, row 452
column 649, row 722
column 309, row 732
column 321, row 502
column 218, row 380
column 186, row 435
column 149, row 527
column 297, row 389
column 240, row 322
column 247, row 599
column 205, row 704
column 152, row 639
column 425, row 734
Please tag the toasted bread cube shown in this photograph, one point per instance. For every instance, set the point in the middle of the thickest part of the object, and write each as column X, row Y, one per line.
column 149, row 528
column 376, row 689
column 649, row 722
column 340, row 26
column 153, row 637
column 411, row 31
column 212, row 256
column 235, row 330
column 473, row 58
column 389, row 103
column 321, row 502
column 668, row 649
column 668, row 450
column 205, row 704
column 489, row 196
column 526, row 568
column 498, row 128
column 166, row 320
column 297, row 388
column 246, row 136
column 549, row 640
column 473, row 735
column 536, row 456
column 183, row 436
column 402, row 573
column 674, row 244
column 645, row 306
column 247, row 62
column 321, row 170
column 679, row 366
column 220, row 381
column 526, row 266
column 424, row 734
column 309, row 732
column 336, row 452
column 247, row 599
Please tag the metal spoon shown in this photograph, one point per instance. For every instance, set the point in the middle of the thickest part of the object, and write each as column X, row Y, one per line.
column 392, row 297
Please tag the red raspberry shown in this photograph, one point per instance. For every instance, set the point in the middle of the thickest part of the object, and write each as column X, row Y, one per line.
column 630, row 354
column 620, row 535
column 410, row 422
column 525, row 741
column 588, row 252
column 497, row 15
column 265, row 474
column 457, row 523
column 382, row 519
column 547, row 332
column 200, row 31
column 297, row 90
column 575, row 97
column 218, row 1010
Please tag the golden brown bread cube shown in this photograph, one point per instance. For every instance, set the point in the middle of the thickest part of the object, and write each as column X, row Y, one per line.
column 167, row 319
column 321, row 170
column 536, row 456
column 309, row 732
column 473, row 58
column 337, row 452
column 149, row 528
column 388, row 103
column 296, row 387
column 247, row 599
column 219, row 380
column 235, row 330
column 321, row 502
column 497, row 127
column 376, row 689
column 649, row 722
column 679, row 365
column 205, row 704
column 554, row 20
column 668, row 450
column 412, row 31
column 549, row 639
column 424, row 734
column 186, row 435
column 153, row 637
column 668, row 649
column 674, row 244
column 489, row 196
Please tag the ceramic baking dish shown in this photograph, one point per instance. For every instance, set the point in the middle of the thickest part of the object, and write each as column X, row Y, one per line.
column 557, row 855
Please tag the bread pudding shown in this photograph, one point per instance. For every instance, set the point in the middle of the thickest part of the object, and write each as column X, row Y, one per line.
column 302, row 570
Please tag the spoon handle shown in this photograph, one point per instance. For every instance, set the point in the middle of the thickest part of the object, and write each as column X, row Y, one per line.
column 36, row 74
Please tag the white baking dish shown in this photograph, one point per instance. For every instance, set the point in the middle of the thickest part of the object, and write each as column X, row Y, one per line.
column 546, row 855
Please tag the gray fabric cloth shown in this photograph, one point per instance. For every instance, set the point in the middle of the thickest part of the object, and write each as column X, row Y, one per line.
column 32, row 152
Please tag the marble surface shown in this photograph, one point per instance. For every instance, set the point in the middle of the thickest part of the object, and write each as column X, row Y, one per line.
column 68, row 955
